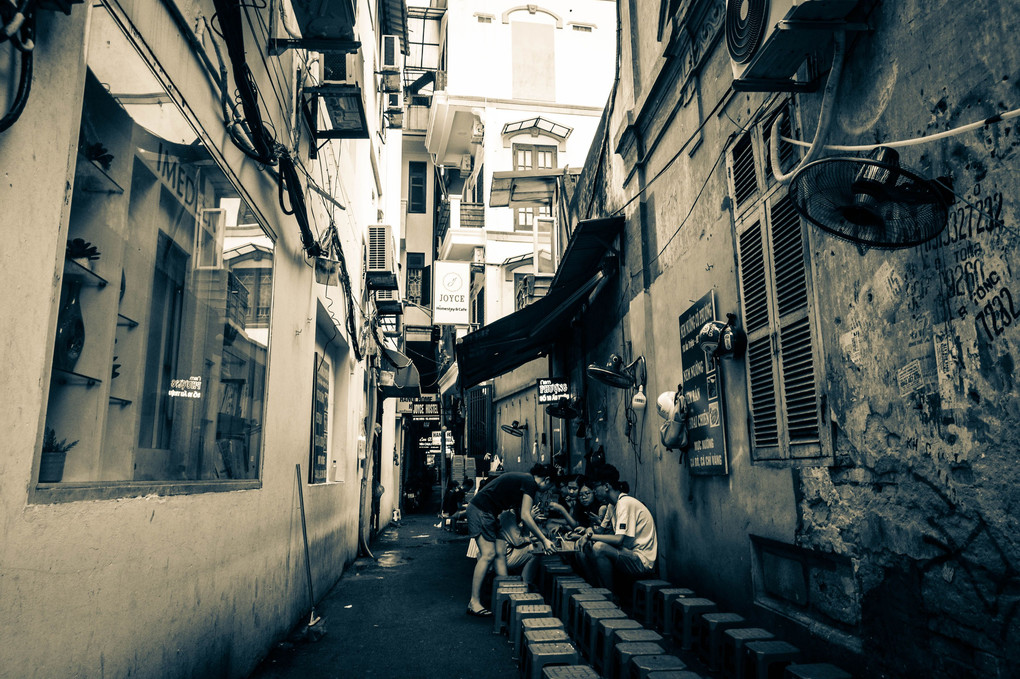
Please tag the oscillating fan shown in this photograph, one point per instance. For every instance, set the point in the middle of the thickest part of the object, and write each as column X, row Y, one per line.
column 565, row 409
column 870, row 201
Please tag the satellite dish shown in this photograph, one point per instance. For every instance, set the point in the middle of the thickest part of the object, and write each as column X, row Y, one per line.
column 565, row 409
column 870, row 201
column 515, row 428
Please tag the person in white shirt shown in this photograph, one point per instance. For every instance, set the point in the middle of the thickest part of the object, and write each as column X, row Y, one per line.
column 632, row 547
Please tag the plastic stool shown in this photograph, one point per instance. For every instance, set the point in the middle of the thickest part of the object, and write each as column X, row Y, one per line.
column 673, row 674
column 601, row 639
column 590, row 621
column 515, row 599
column 577, row 624
column 623, row 653
column 816, row 671
column 534, row 624
column 576, row 598
column 556, row 578
column 710, row 646
column 521, row 613
column 541, row 636
column 569, row 672
column 549, row 570
column 643, row 601
column 766, row 659
column 500, row 599
column 733, row 649
column 540, row 655
column 626, row 636
column 687, row 620
column 565, row 588
column 661, row 607
column 643, row 665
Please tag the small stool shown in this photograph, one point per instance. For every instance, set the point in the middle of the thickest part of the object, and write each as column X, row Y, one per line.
column 569, row 672
column 550, row 569
column 643, row 601
column 643, row 665
column 712, row 627
column 557, row 578
column 765, row 658
column 535, row 624
column 601, row 639
column 583, row 607
column 565, row 588
column 816, row 671
column 540, row 655
column 521, row 613
column 541, row 636
column 687, row 620
column 516, row 599
column 625, row 652
column 500, row 597
column 733, row 649
column 626, row 636
column 589, row 622
column 661, row 607
column 576, row 598
column 673, row 674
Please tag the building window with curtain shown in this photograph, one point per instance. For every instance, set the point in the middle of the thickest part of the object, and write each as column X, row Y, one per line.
column 417, row 189
column 532, row 157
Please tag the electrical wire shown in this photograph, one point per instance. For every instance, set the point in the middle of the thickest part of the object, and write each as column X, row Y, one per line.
column 20, row 30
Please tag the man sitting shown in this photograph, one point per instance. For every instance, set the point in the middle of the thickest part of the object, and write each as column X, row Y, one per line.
column 632, row 547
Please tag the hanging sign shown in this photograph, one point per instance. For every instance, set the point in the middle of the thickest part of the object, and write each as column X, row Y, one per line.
column 702, row 388
column 451, row 298
column 425, row 410
column 551, row 390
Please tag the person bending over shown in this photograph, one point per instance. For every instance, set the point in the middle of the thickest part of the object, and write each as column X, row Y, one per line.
column 632, row 547
column 510, row 490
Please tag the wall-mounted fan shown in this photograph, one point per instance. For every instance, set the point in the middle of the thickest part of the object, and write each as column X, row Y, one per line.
column 870, row 201
column 564, row 409
column 515, row 428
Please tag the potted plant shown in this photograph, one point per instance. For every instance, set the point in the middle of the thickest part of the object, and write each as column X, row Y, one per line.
column 54, row 453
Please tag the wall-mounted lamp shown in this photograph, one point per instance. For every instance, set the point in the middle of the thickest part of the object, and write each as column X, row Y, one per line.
column 719, row 339
column 618, row 375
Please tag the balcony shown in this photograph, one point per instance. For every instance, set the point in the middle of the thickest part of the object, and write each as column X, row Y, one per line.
column 460, row 229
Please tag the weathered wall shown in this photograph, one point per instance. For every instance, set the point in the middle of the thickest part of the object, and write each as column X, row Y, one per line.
column 919, row 501
column 187, row 585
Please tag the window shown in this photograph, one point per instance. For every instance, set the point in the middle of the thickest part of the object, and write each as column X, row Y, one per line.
column 160, row 355
column 417, row 189
column 532, row 157
column 478, row 308
column 784, row 355
column 415, row 269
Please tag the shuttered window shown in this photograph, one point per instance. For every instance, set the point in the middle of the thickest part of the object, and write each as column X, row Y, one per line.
column 783, row 359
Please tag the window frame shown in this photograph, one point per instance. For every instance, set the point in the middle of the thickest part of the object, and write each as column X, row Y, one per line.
column 762, row 230
column 524, row 217
column 413, row 179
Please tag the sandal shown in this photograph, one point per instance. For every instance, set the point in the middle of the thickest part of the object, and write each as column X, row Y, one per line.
column 482, row 613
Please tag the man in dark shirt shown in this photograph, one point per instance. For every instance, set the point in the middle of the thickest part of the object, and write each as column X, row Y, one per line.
column 510, row 490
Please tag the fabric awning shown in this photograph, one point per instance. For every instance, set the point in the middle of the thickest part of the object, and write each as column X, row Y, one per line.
column 526, row 188
column 398, row 377
column 522, row 336
column 588, row 244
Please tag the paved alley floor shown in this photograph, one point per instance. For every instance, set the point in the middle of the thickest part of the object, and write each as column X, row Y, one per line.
column 401, row 615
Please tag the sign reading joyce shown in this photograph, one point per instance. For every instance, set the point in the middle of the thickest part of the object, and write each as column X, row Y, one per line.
column 451, row 298
column 551, row 390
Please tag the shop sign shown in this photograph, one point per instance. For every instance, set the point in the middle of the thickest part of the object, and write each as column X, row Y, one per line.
column 425, row 410
column 437, row 440
column 702, row 388
column 551, row 390
column 451, row 299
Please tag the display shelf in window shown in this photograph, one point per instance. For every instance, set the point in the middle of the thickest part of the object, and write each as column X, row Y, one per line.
column 69, row 377
column 92, row 178
column 126, row 322
column 73, row 271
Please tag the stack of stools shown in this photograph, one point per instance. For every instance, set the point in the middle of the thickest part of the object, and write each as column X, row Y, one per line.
column 712, row 627
column 643, row 601
column 537, row 656
column 816, row 671
column 644, row 666
column 766, row 659
column 733, row 649
column 520, row 613
column 500, row 603
column 687, row 621
column 602, row 636
column 662, row 605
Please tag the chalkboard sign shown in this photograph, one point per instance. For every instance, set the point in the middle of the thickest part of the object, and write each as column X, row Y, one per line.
column 702, row 387
column 320, row 413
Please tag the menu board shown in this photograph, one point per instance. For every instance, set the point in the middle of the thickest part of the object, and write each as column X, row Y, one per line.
column 702, row 388
column 320, row 412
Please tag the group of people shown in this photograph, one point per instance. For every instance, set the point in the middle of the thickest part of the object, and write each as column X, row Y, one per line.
column 613, row 530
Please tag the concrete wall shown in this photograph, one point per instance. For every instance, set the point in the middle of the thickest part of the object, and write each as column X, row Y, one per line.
column 180, row 585
column 917, row 502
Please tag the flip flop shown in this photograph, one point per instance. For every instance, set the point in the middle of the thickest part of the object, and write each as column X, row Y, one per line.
column 483, row 613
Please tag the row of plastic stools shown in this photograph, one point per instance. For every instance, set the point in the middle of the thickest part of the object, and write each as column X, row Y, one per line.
column 721, row 640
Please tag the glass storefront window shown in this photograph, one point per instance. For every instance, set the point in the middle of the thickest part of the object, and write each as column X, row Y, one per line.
column 160, row 354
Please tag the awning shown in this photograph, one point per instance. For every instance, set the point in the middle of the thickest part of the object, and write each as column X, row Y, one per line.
column 398, row 377
column 526, row 188
column 588, row 244
column 522, row 336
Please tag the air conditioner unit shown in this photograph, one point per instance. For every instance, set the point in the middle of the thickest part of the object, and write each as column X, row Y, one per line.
column 387, row 303
column 340, row 68
column 391, row 57
column 768, row 40
column 478, row 256
column 394, row 101
column 465, row 165
column 380, row 271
